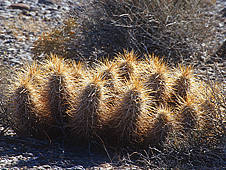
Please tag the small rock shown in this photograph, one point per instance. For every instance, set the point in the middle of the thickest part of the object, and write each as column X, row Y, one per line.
column 221, row 52
column 4, row 3
column 79, row 167
column 28, row 154
column 221, row 24
column 203, row 58
column 2, row 36
column 223, row 12
column 46, row 166
column 8, row 41
column 26, row 13
column 20, row 6
column 46, row 2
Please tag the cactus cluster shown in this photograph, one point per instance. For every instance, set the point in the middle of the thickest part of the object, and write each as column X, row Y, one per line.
column 127, row 101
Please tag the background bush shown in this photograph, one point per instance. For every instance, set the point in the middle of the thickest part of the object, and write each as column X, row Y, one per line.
column 56, row 41
column 178, row 30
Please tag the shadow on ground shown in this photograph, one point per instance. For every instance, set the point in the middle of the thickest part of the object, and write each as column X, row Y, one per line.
column 30, row 153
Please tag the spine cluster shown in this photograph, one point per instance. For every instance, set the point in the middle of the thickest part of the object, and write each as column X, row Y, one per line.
column 125, row 101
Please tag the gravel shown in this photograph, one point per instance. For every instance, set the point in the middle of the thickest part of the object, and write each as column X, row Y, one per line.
column 21, row 21
column 20, row 27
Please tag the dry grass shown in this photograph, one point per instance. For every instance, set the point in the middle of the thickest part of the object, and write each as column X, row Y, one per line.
column 57, row 40
column 174, row 29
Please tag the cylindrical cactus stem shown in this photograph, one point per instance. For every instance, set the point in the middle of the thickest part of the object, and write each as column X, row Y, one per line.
column 160, row 122
column 211, row 113
column 155, row 75
column 57, row 91
column 131, row 108
column 211, row 121
column 125, row 65
column 57, row 99
column 207, row 115
column 24, row 113
column 107, row 72
column 88, row 109
column 187, row 114
column 182, row 83
column 29, row 117
column 77, row 72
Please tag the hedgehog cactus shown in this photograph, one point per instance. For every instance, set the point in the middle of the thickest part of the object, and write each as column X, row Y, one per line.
column 29, row 111
column 88, row 109
column 130, row 118
column 126, row 65
column 57, row 90
column 130, row 101
column 156, row 79
column 182, row 82
column 162, row 122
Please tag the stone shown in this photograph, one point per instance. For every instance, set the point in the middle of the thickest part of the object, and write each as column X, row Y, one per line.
column 223, row 12
column 221, row 52
column 20, row 6
column 46, row 2
column 4, row 3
